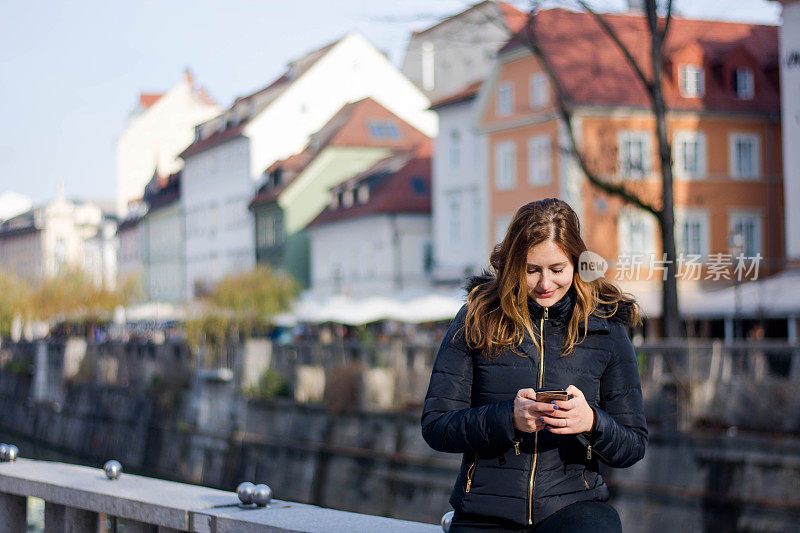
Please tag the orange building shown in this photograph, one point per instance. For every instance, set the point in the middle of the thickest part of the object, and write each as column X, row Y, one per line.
column 722, row 93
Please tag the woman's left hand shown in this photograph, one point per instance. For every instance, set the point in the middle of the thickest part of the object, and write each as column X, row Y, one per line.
column 571, row 416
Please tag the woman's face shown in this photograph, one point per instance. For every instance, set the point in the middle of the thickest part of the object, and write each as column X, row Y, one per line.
column 549, row 273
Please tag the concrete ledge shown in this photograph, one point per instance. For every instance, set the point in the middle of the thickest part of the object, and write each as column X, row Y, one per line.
column 178, row 505
column 154, row 501
column 281, row 516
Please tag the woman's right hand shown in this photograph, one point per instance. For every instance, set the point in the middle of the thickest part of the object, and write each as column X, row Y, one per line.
column 526, row 417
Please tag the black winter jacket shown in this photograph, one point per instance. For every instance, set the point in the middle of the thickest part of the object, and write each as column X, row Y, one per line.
column 522, row 477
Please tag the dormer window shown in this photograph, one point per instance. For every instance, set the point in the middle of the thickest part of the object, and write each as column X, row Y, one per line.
column 347, row 198
column 383, row 129
column 743, row 83
column 197, row 133
column 692, row 81
column 363, row 193
column 335, row 199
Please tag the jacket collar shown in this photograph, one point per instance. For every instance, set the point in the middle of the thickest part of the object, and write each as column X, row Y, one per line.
column 560, row 313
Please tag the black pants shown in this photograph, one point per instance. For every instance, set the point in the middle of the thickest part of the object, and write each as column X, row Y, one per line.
column 579, row 517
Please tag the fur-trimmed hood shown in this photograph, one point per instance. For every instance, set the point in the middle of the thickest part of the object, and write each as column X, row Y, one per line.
column 623, row 314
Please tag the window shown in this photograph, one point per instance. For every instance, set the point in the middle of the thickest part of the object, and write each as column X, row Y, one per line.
column 363, row 193
column 455, row 224
column 505, row 166
column 692, row 232
column 635, row 232
column 500, row 226
column 690, row 154
column 505, row 99
column 539, row 90
column 744, row 155
column 266, row 230
column 748, row 225
column 383, row 130
column 743, row 83
column 539, row 162
column 634, row 154
column 419, row 186
column 427, row 257
column 455, row 149
column 692, row 81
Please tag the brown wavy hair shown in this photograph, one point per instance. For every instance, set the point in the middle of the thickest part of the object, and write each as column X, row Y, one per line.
column 497, row 308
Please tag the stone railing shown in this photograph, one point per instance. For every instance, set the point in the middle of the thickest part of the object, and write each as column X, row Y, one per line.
column 83, row 499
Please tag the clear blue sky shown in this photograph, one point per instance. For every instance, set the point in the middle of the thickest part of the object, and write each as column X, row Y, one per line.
column 72, row 71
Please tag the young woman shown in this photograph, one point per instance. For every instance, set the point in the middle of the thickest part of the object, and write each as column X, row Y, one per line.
column 530, row 465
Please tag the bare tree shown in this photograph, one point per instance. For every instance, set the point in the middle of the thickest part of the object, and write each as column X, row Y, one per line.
column 658, row 28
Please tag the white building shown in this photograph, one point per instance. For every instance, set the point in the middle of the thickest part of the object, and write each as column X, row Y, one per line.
column 790, row 111
column 130, row 249
column 41, row 242
column 13, row 204
column 374, row 237
column 449, row 62
column 161, row 127
column 162, row 240
column 231, row 151
column 460, row 49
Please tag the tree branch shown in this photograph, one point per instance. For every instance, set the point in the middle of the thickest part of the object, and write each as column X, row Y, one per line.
column 667, row 19
column 614, row 37
column 565, row 113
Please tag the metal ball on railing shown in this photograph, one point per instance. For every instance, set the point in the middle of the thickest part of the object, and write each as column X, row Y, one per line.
column 113, row 469
column 3, row 452
column 262, row 495
column 11, row 453
column 245, row 491
column 446, row 519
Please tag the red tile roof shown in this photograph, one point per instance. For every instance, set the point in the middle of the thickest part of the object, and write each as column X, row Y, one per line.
column 594, row 72
column 515, row 19
column 467, row 93
column 397, row 193
column 148, row 99
column 348, row 127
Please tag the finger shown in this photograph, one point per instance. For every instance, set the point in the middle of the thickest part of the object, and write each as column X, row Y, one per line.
column 527, row 393
column 554, row 422
column 562, row 431
column 574, row 391
column 544, row 407
column 565, row 405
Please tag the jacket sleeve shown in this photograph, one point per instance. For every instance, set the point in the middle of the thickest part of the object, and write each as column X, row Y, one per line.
column 620, row 430
column 449, row 424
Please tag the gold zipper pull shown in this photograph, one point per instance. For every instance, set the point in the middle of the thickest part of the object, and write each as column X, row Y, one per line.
column 516, row 448
column 589, row 452
column 469, row 484
column 545, row 312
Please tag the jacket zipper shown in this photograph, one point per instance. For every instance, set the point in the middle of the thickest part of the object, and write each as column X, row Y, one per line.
column 470, row 472
column 585, row 481
column 536, row 437
column 589, row 451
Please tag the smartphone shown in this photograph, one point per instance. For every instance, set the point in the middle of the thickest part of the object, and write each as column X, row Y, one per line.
column 548, row 395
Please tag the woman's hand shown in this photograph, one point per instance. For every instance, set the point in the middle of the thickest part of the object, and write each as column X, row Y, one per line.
column 568, row 417
column 526, row 417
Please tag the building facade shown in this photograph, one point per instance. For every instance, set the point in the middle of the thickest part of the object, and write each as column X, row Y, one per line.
column 721, row 90
column 231, row 152
column 790, row 104
column 374, row 236
column 160, row 127
column 296, row 190
column 43, row 242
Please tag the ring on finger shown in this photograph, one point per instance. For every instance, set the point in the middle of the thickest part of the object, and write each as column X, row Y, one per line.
column 565, row 422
